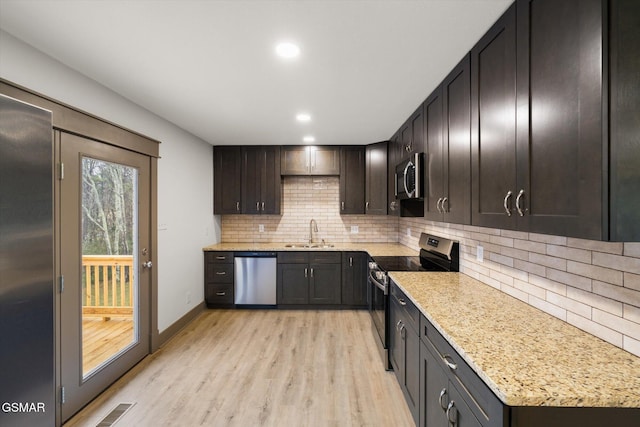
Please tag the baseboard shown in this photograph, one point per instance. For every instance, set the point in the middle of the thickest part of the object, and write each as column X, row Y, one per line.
column 168, row 333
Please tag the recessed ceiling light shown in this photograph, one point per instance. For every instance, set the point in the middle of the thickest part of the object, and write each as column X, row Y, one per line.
column 287, row 50
column 303, row 117
column 309, row 138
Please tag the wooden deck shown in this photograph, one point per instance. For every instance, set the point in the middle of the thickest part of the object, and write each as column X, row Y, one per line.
column 101, row 339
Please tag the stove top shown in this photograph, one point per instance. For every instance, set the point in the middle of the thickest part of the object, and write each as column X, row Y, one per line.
column 404, row 263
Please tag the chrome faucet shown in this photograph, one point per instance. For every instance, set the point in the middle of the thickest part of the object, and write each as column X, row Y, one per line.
column 313, row 226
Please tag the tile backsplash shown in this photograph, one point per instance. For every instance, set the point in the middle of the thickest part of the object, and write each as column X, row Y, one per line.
column 305, row 198
column 592, row 285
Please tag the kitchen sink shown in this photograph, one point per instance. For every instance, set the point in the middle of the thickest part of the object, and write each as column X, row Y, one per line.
column 309, row 246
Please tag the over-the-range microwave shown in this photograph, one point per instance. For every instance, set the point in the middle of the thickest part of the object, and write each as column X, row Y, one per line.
column 409, row 177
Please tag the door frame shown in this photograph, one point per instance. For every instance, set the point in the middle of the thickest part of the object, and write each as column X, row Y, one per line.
column 72, row 120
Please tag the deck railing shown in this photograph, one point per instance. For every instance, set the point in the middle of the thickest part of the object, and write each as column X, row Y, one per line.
column 107, row 285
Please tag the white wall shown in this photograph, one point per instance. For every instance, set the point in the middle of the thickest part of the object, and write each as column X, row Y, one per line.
column 185, row 170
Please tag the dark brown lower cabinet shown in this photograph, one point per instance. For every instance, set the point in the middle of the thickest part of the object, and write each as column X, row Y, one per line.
column 309, row 278
column 354, row 279
column 218, row 279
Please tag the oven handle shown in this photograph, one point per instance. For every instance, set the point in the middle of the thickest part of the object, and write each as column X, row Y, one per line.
column 379, row 285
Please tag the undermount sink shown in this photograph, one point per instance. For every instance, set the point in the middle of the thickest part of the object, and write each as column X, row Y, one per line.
column 308, row 246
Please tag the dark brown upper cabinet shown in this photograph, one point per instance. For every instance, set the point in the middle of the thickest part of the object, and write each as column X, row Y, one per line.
column 227, row 172
column 352, row 180
column 261, row 181
column 559, row 133
column 624, row 126
column 376, row 179
column 448, row 171
column 493, row 124
column 412, row 135
column 393, row 157
column 310, row 160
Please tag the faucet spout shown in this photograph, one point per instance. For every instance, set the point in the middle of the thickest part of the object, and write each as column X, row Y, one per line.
column 313, row 226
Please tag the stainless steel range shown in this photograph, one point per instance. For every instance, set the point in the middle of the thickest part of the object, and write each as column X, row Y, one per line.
column 436, row 254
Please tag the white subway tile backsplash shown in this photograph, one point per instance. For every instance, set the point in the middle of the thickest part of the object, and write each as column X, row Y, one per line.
column 548, row 261
column 618, row 293
column 580, row 255
column 631, row 345
column 622, row 325
column 593, row 245
column 596, row 329
column 547, row 307
column 631, row 313
column 545, row 238
column 632, row 249
column 569, row 304
column 617, row 262
column 607, row 304
column 595, row 272
column 550, row 285
column 569, row 279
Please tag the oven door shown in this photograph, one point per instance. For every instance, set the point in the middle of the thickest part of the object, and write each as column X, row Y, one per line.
column 379, row 311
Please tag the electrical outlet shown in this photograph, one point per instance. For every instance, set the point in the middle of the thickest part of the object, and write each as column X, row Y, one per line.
column 409, row 231
column 354, row 229
column 260, row 228
column 480, row 254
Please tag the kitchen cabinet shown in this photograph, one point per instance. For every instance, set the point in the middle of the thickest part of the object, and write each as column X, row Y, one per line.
column 448, row 147
column 393, row 158
column 352, row 180
column 412, row 134
column 227, row 172
column 559, row 135
column 261, row 181
column 404, row 349
column 376, row 177
column 309, row 278
column 310, row 160
column 624, row 126
column 218, row 279
column 354, row 279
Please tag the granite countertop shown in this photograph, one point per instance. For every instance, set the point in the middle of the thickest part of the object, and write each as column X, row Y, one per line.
column 374, row 249
column 527, row 357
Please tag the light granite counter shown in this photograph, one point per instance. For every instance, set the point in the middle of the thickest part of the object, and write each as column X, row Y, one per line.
column 527, row 357
column 374, row 249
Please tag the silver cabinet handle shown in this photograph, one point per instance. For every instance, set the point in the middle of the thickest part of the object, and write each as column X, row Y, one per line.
column 443, row 405
column 402, row 301
column 221, row 273
column 350, row 261
column 258, row 206
column 238, row 206
column 312, row 272
column 445, row 200
column 505, row 201
column 452, row 414
column 366, row 206
column 398, row 325
column 306, row 271
column 518, row 207
column 221, row 257
column 438, row 205
column 221, row 294
column 448, row 360
column 342, row 205
column 262, row 206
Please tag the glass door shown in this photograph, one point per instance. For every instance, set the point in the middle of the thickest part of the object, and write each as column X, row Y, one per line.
column 104, row 238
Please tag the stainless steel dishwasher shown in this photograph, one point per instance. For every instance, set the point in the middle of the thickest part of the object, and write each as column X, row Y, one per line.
column 255, row 278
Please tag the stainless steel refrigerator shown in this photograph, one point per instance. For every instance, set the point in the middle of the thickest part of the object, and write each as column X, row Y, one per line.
column 27, row 372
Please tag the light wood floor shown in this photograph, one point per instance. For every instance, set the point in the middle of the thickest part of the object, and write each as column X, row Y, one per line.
column 260, row 368
column 102, row 339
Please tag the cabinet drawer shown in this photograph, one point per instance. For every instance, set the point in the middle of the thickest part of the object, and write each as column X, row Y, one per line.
column 293, row 257
column 219, row 294
column 409, row 310
column 325, row 257
column 219, row 273
column 219, row 257
column 481, row 400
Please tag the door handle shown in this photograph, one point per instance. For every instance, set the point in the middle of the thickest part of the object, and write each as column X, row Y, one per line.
column 505, row 201
column 518, row 207
column 147, row 264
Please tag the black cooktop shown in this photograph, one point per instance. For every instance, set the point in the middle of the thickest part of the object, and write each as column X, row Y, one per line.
column 405, row 263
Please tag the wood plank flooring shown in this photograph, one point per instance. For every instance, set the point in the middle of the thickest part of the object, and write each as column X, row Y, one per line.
column 102, row 339
column 260, row 368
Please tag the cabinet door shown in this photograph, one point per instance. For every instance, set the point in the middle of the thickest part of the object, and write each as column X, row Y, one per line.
column 412, row 370
column 251, row 174
column 352, row 180
column 294, row 160
column 560, row 116
column 417, row 131
column 393, row 158
column 456, row 102
column 433, row 390
column 324, row 160
column 493, row 125
column 293, row 284
column 435, row 154
column 376, row 179
column 625, row 120
column 270, row 181
column 458, row 412
column 354, row 279
column 396, row 346
column 325, row 283
column 227, row 172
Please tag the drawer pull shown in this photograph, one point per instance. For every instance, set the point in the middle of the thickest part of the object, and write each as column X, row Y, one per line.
column 505, row 203
column 452, row 414
column 221, row 294
column 402, row 301
column 399, row 325
column 221, row 257
column 443, row 404
column 221, row 273
column 448, row 360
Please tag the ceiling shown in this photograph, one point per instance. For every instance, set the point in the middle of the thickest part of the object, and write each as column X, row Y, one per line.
column 210, row 68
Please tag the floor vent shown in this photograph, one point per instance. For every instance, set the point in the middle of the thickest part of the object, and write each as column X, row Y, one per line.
column 115, row 415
